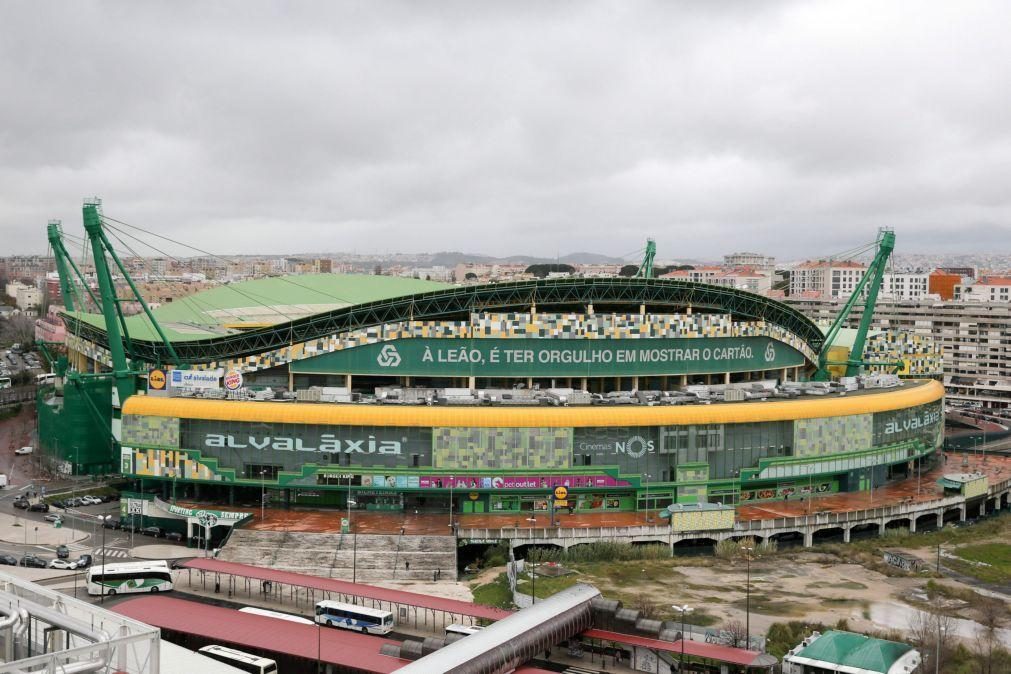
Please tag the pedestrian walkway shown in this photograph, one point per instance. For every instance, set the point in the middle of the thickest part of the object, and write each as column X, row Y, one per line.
column 19, row 530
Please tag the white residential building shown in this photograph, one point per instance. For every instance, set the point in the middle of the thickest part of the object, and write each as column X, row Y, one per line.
column 826, row 279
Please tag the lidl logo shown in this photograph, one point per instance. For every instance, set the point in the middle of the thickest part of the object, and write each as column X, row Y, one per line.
column 388, row 356
column 156, row 380
column 770, row 353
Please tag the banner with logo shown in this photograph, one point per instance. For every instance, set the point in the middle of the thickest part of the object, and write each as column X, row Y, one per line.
column 195, row 379
column 493, row 357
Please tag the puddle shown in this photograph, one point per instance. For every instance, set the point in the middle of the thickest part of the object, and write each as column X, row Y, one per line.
column 891, row 615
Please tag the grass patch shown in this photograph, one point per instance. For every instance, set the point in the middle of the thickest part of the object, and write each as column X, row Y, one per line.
column 495, row 593
column 996, row 555
column 545, row 586
column 765, row 605
column 844, row 585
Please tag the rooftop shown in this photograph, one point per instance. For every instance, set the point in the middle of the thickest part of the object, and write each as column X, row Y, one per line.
column 856, row 651
column 233, row 307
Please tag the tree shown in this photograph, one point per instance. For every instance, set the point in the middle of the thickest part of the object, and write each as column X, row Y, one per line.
column 18, row 329
column 987, row 642
column 542, row 270
column 470, row 276
column 648, row 607
column 932, row 633
column 628, row 270
column 737, row 631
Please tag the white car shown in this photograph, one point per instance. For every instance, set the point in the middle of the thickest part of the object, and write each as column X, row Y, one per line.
column 64, row 564
column 24, row 450
column 53, row 518
column 91, row 500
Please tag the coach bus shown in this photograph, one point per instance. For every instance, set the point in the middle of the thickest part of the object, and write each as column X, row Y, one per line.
column 463, row 630
column 247, row 662
column 129, row 577
column 275, row 614
column 354, row 617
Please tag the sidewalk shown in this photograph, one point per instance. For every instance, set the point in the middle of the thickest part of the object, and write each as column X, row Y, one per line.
column 15, row 529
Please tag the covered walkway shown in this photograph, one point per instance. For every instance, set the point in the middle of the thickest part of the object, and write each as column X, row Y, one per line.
column 694, row 651
column 304, row 590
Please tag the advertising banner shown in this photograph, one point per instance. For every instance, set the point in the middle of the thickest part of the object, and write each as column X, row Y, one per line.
column 195, row 379
column 494, row 357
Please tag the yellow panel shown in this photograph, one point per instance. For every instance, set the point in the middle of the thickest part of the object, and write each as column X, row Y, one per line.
column 909, row 395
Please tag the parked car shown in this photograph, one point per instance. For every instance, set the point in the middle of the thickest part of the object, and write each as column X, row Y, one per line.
column 57, row 503
column 21, row 503
column 173, row 536
column 65, row 564
column 151, row 531
column 72, row 502
column 129, row 528
column 33, row 562
column 9, row 560
column 24, row 450
column 54, row 517
column 84, row 561
column 62, row 552
column 107, row 498
column 90, row 500
column 39, row 507
column 110, row 523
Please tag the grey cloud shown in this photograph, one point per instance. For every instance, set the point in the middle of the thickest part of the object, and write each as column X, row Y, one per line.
column 794, row 128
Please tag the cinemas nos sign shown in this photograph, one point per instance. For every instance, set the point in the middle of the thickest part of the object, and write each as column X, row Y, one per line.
column 556, row 357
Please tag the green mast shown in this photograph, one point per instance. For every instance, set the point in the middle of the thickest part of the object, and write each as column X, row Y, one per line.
column 54, row 231
column 871, row 282
column 123, row 379
column 646, row 268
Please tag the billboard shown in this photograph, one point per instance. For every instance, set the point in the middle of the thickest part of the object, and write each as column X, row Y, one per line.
column 496, row 357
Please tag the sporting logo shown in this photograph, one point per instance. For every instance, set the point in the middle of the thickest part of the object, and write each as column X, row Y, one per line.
column 770, row 353
column 388, row 356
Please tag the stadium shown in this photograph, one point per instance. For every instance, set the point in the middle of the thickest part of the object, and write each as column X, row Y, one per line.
column 403, row 395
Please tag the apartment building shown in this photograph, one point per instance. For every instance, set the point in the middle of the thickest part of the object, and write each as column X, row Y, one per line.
column 749, row 260
column 975, row 338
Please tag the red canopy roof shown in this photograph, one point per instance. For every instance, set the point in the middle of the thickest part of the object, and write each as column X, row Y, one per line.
column 698, row 649
column 344, row 587
column 230, row 627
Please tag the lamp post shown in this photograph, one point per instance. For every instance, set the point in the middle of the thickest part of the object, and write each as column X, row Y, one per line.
column 647, row 476
column 452, row 529
column 175, row 474
column 104, row 518
column 263, row 493
column 684, row 610
column 747, row 601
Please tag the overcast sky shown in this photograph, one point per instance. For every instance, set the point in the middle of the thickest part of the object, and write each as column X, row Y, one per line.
column 788, row 128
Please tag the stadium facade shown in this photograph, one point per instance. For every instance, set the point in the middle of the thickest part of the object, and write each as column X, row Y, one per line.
column 434, row 386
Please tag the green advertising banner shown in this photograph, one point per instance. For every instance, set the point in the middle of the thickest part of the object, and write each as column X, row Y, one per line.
column 490, row 357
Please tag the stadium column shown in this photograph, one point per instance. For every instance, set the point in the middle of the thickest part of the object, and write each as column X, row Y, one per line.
column 347, row 382
column 582, row 380
column 471, row 383
column 635, row 383
column 784, row 375
column 291, row 380
column 726, row 377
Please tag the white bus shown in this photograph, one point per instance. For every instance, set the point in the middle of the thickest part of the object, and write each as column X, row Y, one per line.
column 130, row 577
column 276, row 614
column 464, row 630
column 247, row 662
column 45, row 378
column 354, row 617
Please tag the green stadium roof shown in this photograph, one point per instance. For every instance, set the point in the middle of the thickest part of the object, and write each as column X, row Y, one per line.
column 854, row 650
column 223, row 310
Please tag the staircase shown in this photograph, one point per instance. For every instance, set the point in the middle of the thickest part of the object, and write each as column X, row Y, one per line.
column 373, row 557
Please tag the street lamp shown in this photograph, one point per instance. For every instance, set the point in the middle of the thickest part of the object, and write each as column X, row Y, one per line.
column 647, row 476
column 747, row 602
column 452, row 529
column 684, row 610
column 104, row 519
column 263, row 492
